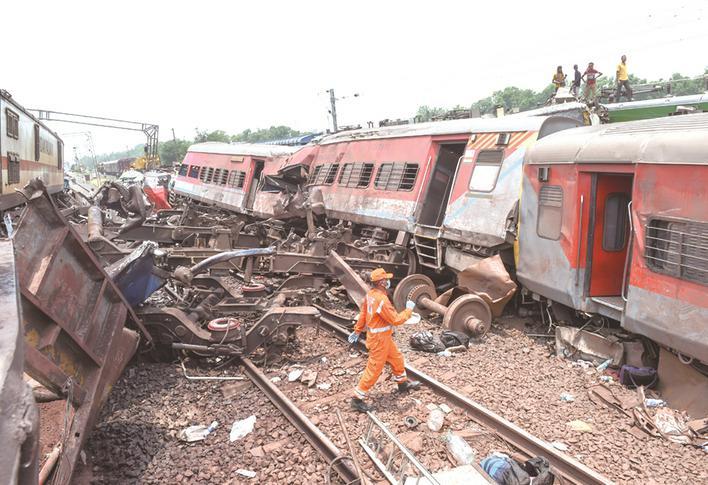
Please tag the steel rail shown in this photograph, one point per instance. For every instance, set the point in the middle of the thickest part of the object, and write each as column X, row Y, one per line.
column 297, row 418
column 564, row 466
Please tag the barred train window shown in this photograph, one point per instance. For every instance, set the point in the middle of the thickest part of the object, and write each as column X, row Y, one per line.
column 396, row 176
column 678, row 248
column 194, row 171
column 183, row 169
column 12, row 120
column 550, row 212
column 13, row 168
column 220, row 176
column 324, row 174
column 237, row 178
column 486, row 170
column 356, row 175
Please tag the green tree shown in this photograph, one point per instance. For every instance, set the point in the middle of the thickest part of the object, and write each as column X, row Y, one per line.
column 216, row 135
column 266, row 134
column 173, row 151
column 427, row 113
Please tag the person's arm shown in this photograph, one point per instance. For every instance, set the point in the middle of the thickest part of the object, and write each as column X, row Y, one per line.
column 361, row 323
column 391, row 316
column 598, row 74
column 583, row 76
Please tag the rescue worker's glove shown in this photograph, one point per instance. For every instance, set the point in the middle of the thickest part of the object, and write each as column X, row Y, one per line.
column 353, row 338
column 410, row 305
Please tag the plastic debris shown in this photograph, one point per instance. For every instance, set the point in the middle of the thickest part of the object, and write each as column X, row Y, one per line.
column 275, row 379
column 604, row 365
column 241, row 428
column 431, row 407
column 324, row 386
column 197, row 432
column 607, row 379
column 672, row 426
column 567, row 397
column 559, row 446
column 436, row 418
column 414, row 319
column 460, row 449
column 295, row 374
column 246, row 473
column 445, row 408
column 578, row 425
column 445, row 353
column 654, row 403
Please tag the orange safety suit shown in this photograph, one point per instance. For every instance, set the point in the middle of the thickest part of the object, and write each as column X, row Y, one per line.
column 379, row 317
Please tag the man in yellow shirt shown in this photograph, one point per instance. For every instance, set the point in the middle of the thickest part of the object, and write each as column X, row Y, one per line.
column 623, row 80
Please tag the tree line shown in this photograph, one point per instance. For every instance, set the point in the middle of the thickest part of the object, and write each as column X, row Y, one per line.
column 511, row 97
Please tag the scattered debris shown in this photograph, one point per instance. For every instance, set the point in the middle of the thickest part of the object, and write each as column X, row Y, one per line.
column 654, row 403
column 460, row 449
column 426, row 342
column 246, row 473
column 295, row 374
column 324, row 386
column 573, row 342
column 436, row 418
column 559, row 446
column 672, row 426
column 445, row 408
column 197, row 432
column 578, row 425
column 242, row 428
column 410, row 422
column 567, row 397
column 309, row 377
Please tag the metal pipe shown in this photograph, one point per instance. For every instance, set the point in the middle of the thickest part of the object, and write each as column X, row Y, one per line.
column 225, row 256
column 95, row 223
column 429, row 304
column 628, row 256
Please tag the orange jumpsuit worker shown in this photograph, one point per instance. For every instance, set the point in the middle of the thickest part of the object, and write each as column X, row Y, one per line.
column 379, row 317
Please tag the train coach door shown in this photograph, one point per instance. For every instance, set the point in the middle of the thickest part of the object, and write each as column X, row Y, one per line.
column 255, row 182
column 440, row 186
column 610, row 234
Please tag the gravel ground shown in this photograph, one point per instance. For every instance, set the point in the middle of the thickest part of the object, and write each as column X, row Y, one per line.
column 521, row 379
column 135, row 440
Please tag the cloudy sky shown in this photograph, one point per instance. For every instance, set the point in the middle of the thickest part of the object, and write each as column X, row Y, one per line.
column 251, row 64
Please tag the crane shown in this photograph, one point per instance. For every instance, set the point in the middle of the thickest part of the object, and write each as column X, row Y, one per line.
column 150, row 160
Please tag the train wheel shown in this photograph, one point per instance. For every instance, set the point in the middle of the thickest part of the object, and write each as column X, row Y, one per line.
column 405, row 288
column 469, row 314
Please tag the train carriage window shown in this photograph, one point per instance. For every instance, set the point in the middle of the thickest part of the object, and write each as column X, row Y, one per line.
column 550, row 212
column 324, row 174
column 616, row 222
column 218, row 173
column 237, row 179
column 223, row 178
column 678, row 248
column 60, row 154
column 183, row 169
column 13, row 168
column 12, row 120
column 486, row 170
column 396, row 176
column 357, row 175
column 194, row 171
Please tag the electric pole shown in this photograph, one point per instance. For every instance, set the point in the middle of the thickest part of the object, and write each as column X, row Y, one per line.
column 333, row 109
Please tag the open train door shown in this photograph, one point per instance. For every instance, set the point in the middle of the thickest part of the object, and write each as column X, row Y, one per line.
column 609, row 235
column 257, row 170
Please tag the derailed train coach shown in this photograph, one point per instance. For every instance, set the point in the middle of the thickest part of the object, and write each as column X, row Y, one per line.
column 614, row 221
column 449, row 189
column 28, row 150
column 228, row 175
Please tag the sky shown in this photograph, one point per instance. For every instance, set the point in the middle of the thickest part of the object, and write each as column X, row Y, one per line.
column 251, row 64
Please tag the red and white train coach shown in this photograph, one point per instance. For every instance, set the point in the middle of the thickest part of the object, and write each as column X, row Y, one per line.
column 228, row 174
column 614, row 221
column 28, row 150
column 448, row 184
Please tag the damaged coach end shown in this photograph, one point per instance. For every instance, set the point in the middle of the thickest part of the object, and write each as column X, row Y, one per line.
column 73, row 315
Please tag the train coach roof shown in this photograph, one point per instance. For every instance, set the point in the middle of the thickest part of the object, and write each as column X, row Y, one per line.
column 448, row 127
column 246, row 149
column 681, row 139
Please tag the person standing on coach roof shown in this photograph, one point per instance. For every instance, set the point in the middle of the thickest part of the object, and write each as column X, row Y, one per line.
column 575, row 87
column 379, row 317
column 623, row 81
column 591, row 74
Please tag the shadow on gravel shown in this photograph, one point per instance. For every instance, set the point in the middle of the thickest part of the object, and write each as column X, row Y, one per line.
column 123, row 450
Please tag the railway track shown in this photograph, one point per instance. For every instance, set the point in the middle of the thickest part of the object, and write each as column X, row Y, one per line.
column 565, row 467
column 302, row 423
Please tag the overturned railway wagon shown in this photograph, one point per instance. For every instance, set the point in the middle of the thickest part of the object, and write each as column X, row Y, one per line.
column 228, row 175
column 451, row 187
column 614, row 221
column 28, row 150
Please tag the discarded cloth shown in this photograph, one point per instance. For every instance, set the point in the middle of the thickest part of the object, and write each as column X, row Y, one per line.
column 426, row 342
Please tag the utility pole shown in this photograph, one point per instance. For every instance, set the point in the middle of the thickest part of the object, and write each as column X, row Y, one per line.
column 333, row 109
column 174, row 139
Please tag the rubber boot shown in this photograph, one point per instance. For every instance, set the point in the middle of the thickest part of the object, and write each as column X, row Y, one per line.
column 409, row 385
column 359, row 405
